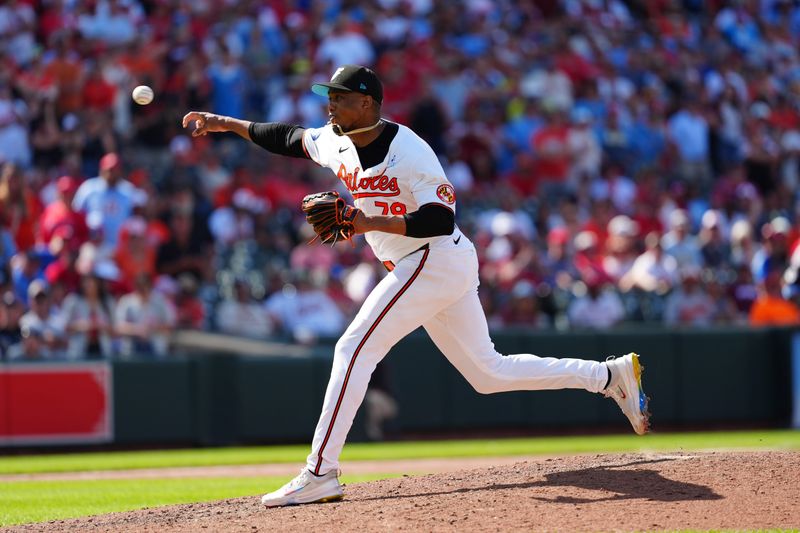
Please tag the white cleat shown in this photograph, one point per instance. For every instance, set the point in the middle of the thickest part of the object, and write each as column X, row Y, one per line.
column 625, row 388
column 306, row 488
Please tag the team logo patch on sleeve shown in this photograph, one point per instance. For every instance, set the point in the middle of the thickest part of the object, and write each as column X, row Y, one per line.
column 446, row 193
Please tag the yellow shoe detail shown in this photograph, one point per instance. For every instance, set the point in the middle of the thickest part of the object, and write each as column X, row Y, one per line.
column 331, row 499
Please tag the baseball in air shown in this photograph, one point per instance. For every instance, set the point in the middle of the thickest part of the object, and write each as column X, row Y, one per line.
column 142, row 95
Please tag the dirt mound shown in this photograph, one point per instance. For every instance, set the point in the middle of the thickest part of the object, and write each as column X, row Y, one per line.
column 720, row 490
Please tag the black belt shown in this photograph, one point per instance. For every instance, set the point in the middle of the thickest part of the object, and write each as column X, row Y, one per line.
column 390, row 266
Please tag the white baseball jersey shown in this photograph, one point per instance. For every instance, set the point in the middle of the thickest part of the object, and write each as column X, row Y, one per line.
column 409, row 177
column 434, row 287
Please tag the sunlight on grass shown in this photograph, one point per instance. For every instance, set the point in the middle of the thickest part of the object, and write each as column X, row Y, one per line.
column 779, row 439
column 36, row 501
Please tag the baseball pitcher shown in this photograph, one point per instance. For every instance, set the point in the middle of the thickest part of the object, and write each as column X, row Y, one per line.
column 405, row 207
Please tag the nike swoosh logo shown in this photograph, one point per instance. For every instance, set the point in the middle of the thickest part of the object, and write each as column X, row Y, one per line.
column 456, row 241
column 622, row 392
column 315, row 136
column 295, row 490
column 343, row 149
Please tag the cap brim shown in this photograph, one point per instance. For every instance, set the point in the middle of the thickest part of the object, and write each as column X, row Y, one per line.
column 323, row 88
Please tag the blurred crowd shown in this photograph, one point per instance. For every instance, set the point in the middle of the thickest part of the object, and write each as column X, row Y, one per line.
column 615, row 162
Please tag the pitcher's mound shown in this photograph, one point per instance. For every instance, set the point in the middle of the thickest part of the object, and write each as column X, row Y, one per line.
column 719, row 490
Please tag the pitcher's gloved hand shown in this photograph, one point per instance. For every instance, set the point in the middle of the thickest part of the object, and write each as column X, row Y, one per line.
column 330, row 216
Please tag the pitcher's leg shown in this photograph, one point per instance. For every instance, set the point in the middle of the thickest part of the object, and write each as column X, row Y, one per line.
column 471, row 351
column 462, row 335
column 395, row 308
column 352, row 368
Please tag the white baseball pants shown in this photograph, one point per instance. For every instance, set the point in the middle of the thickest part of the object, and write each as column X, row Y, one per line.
column 436, row 289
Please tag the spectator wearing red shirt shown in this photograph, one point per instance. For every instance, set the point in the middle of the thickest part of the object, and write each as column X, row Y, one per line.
column 784, row 115
column 54, row 18
column 575, row 66
column 149, row 208
column 19, row 206
column 188, row 307
column 475, row 145
column 522, row 177
column 62, row 270
column 552, row 155
column 601, row 214
column 241, row 178
column 647, row 218
column 60, row 213
column 672, row 24
column 588, row 259
column 278, row 188
column 37, row 81
column 135, row 254
column 401, row 86
column 98, row 94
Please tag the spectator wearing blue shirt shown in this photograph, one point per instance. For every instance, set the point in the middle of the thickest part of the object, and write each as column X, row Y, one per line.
column 616, row 141
column 773, row 256
column 647, row 141
column 109, row 198
column 228, row 85
column 8, row 249
column 26, row 268
column 689, row 132
column 518, row 131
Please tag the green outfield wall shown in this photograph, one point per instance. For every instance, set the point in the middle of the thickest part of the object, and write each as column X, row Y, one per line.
column 721, row 377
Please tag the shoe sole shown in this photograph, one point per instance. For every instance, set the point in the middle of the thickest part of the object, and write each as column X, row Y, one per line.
column 643, row 399
column 324, row 499
column 330, row 499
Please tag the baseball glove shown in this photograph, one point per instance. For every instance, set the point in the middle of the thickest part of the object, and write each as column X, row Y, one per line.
column 329, row 215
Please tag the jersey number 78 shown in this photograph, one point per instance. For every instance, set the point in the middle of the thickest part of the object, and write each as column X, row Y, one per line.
column 396, row 208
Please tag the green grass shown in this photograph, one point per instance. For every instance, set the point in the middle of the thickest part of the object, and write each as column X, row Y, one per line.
column 780, row 439
column 37, row 501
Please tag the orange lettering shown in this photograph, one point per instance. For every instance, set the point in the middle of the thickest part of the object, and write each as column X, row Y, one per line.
column 379, row 185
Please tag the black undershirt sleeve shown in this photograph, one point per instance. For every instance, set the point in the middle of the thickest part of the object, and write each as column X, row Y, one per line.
column 430, row 220
column 278, row 138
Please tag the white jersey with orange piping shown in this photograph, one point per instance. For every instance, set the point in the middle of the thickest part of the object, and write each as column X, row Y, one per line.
column 409, row 177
